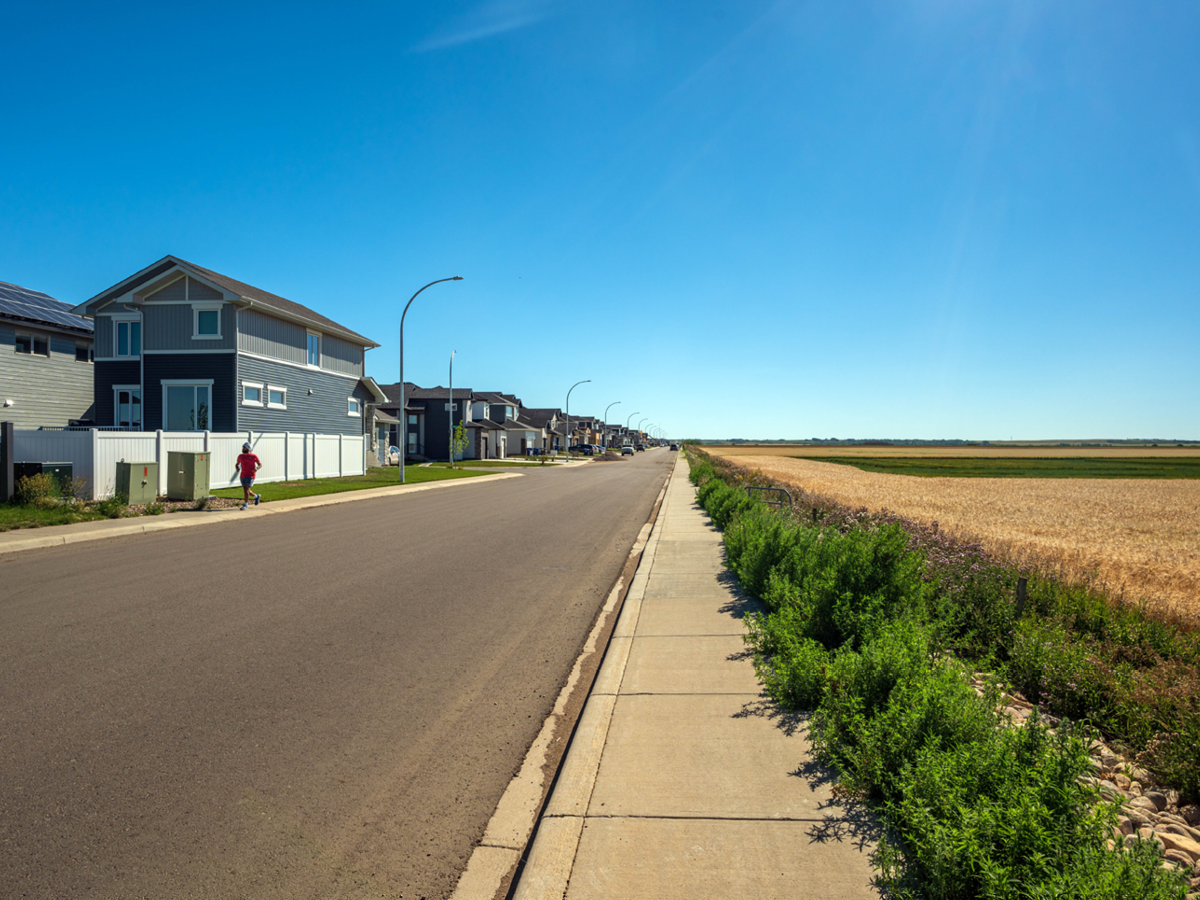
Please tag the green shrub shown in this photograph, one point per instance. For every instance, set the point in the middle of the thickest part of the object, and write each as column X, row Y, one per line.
column 41, row 490
column 113, row 507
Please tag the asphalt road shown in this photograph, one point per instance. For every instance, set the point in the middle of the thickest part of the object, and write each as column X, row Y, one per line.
column 326, row 703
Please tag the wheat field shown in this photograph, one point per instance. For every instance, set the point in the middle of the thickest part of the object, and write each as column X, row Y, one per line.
column 1139, row 538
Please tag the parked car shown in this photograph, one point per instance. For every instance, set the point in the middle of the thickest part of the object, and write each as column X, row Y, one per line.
column 585, row 449
column 640, row 448
column 627, row 451
column 393, row 456
column 674, row 446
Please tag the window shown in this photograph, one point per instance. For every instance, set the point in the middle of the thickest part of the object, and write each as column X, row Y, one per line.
column 187, row 405
column 314, row 350
column 412, row 421
column 252, row 394
column 206, row 322
column 354, row 406
column 84, row 353
column 276, row 397
column 127, row 408
column 129, row 338
column 32, row 344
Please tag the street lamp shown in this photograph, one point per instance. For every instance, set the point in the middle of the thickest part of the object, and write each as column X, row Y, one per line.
column 631, row 415
column 403, row 432
column 575, row 385
column 450, row 410
column 607, row 442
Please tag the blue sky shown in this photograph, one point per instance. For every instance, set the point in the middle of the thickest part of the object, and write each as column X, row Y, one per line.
column 756, row 219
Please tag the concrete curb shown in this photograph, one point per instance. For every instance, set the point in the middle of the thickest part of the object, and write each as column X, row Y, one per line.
column 507, row 833
column 31, row 539
column 552, row 856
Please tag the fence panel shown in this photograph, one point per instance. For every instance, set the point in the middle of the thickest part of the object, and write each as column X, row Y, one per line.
column 74, row 447
column 113, row 447
column 328, row 456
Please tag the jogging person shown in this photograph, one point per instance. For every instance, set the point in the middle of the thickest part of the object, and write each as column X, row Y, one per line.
column 248, row 464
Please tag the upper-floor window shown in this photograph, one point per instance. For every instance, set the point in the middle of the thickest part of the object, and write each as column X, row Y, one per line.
column 206, row 322
column 314, row 349
column 353, row 406
column 129, row 338
column 84, row 353
column 252, row 394
column 33, row 344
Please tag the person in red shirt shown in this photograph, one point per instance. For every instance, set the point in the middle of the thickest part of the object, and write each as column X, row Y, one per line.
column 248, row 464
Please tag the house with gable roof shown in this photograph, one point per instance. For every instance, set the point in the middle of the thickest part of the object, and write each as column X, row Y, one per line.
column 183, row 348
column 45, row 360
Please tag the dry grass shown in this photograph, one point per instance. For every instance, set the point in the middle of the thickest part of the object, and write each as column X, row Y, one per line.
column 1013, row 451
column 1136, row 536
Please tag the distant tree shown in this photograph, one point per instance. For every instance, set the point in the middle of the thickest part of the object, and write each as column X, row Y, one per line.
column 458, row 445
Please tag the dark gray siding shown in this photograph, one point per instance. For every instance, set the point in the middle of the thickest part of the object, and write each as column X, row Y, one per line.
column 324, row 412
column 341, row 356
column 106, row 374
column 220, row 367
column 176, row 290
column 45, row 390
column 170, row 327
column 265, row 335
column 104, row 336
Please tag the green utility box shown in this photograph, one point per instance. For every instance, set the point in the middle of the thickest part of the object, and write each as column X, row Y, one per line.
column 187, row 475
column 61, row 472
column 138, row 482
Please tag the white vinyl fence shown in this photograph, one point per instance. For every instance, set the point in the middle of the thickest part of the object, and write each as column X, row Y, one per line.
column 94, row 454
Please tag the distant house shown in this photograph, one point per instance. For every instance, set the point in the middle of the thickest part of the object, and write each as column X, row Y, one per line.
column 183, row 348
column 428, row 418
column 45, row 360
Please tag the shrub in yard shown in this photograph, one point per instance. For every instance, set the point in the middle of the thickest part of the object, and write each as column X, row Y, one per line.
column 113, row 507
column 41, row 490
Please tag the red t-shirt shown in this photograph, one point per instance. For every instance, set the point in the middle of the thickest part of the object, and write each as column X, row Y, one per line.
column 248, row 463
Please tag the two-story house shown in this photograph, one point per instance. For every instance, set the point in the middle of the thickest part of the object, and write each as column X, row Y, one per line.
column 429, row 412
column 45, row 360
column 183, row 348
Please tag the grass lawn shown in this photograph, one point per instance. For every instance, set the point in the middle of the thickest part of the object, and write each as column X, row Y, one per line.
column 31, row 517
column 1024, row 467
column 493, row 463
column 389, row 477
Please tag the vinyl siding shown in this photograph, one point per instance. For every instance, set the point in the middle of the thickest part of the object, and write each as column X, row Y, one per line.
column 220, row 367
column 341, row 356
column 323, row 413
column 265, row 335
column 106, row 375
column 170, row 327
column 44, row 390
column 104, row 332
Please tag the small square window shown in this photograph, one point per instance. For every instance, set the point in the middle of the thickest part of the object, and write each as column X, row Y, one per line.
column 252, row 394
column 276, row 397
column 41, row 345
column 354, row 406
column 208, row 323
column 24, row 343
column 83, row 353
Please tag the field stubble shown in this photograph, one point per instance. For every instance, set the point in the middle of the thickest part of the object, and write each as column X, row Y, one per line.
column 1136, row 538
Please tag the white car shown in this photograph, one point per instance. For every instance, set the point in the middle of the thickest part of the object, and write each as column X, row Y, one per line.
column 627, row 451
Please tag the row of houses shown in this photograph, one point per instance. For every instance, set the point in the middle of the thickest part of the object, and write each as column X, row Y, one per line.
column 177, row 347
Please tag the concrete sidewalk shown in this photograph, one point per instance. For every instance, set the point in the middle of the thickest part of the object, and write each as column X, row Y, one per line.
column 681, row 782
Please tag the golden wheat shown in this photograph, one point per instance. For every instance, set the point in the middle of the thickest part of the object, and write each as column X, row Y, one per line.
column 1035, row 451
column 1137, row 537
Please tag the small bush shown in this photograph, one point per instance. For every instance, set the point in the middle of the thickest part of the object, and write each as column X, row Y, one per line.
column 113, row 507
column 155, row 509
column 41, row 490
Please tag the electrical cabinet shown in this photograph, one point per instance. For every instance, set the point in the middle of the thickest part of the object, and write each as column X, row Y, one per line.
column 138, row 482
column 63, row 473
column 187, row 475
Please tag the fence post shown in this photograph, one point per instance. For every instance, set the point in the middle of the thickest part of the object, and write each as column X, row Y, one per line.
column 7, row 437
column 95, row 462
column 161, row 459
column 287, row 446
column 341, row 454
column 1021, row 584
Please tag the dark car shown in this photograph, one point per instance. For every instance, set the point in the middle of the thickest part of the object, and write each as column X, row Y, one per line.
column 585, row 449
column 674, row 446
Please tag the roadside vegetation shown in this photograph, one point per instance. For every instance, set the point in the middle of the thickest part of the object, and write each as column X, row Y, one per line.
column 40, row 500
column 874, row 625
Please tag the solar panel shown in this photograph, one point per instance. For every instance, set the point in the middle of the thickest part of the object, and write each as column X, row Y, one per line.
column 38, row 307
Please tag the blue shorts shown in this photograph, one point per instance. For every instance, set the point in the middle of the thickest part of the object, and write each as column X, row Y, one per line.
column 248, row 482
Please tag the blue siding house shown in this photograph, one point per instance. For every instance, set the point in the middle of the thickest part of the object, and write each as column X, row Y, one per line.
column 182, row 348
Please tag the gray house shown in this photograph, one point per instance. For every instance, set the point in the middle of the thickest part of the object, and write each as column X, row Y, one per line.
column 45, row 360
column 182, row 348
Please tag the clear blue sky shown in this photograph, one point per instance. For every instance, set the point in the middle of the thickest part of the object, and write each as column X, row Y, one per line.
column 755, row 219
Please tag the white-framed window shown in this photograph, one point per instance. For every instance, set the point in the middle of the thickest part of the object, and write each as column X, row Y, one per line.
column 252, row 394
column 187, row 405
column 353, row 406
column 32, row 344
column 127, row 337
column 276, row 397
column 314, row 349
column 127, row 405
column 206, row 321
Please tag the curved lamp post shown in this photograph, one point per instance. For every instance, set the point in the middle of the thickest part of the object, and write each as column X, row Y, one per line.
column 607, row 442
column 575, row 385
column 450, row 410
column 403, row 433
column 643, row 419
column 627, row 421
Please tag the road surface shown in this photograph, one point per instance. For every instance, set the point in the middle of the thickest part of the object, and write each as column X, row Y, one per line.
column 325, row 703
